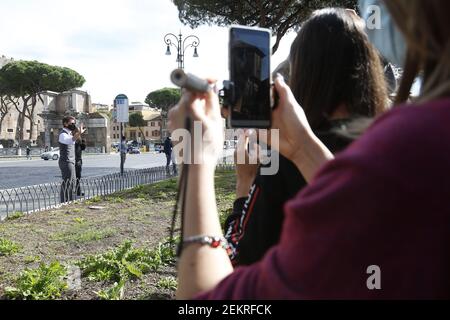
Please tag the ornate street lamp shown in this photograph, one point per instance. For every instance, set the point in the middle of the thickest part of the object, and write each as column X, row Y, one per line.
column 181, row 45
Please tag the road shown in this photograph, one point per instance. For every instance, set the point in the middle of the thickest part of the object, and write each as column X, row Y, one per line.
column 21, row 173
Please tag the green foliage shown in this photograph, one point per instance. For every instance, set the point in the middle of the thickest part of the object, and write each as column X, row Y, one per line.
column 79, row 220
column 15, row 215
column 163, row 99
column 124, row 263
column 115, row 199
column 169, row 283
column 31, row 259
column 279, row 16
column 20, row 78
column 137, row 120
column 8, row 248
column 116, row 292
column 43, row 283
column 94, row 200
column 83, row 233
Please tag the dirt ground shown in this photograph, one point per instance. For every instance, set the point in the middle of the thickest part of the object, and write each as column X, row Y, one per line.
column 142, row 215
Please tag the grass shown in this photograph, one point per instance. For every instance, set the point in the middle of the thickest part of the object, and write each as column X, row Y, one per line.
column 43, row 283
column 76, row 233
column 94, row 200
column 122, row 264
column 168, row 283
column 8, row 247
column 83, row 233
column 15, row 215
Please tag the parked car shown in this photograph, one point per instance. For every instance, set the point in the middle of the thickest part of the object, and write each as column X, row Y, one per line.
column 52, row 154
column 159, row 148
column 134, row 150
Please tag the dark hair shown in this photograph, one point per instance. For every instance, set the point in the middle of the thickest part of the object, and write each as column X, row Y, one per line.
column 333, row 63
column 66, row 120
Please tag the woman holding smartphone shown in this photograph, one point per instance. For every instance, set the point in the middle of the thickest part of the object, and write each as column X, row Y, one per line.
column 337, row 76
column 382, row 204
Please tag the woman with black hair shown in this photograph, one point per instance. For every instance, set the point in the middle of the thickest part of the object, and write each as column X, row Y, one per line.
column 337, row 76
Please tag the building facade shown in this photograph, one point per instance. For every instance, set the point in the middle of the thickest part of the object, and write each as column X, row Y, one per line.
column 43, row 129
column 151, row 133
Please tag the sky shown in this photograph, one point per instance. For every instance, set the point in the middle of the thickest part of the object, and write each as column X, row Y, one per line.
column 117, row 45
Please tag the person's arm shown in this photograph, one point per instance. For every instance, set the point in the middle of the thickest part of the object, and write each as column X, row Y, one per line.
column 65, row 138
column 77, row 133
column 297, row 140
column 201, row 268
column 201, row 219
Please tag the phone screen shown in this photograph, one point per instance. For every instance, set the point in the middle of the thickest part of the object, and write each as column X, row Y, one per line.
column 250, row 53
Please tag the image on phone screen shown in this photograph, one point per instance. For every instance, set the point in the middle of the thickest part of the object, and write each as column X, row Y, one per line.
column 250, row 53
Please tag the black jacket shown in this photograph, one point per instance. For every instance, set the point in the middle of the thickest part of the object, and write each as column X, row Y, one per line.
column 79, row 148
column 168, row 146
column 256, row 222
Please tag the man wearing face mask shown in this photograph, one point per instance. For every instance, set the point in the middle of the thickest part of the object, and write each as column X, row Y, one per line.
column 67, row 138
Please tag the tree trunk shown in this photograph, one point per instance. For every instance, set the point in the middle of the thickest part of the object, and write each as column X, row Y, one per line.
column 31, row 115
column 4, row 110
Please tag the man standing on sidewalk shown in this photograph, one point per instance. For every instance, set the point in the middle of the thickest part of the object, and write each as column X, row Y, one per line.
column 67, row 157
column 28, row 153
column 168, row 148
column 123, row 150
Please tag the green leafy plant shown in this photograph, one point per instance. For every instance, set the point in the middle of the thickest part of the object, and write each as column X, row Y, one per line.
column 116, row 292
column 31, row 259
column 44, row 283
column 83, row 233
column 79, row 220
column 169, row 283
column 8, row 247
column 15, row 215
column 115, row 200
column 94, row 200
column 124, row 263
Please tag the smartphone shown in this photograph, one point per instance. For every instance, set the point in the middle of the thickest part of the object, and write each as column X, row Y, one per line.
column 249, row 63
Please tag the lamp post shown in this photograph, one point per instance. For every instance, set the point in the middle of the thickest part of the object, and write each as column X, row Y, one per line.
column 181, row 45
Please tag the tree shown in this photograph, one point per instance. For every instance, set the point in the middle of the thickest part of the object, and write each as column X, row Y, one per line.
column 279, row 16
column 163, row 99
column 137, row 121
column 27, row 80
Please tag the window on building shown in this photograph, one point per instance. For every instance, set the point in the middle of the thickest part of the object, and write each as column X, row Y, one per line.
column 153, row 124
column 146, row 133
column 10, row 130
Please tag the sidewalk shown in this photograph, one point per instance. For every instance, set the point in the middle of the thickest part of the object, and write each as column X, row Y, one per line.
column 37, row 157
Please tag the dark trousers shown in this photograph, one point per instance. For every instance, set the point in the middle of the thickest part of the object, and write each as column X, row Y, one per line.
column 67, row 185
column 78, row 169
column 169, row 159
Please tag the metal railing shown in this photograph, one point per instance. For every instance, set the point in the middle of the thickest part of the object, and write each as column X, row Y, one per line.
column 42, row 197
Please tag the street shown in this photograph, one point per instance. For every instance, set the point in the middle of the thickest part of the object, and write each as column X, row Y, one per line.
column 21, row 173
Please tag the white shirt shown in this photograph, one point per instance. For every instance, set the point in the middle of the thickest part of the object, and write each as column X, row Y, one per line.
column 66, row 137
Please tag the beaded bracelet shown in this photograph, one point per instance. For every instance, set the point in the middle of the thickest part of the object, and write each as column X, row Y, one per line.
column 213, row 242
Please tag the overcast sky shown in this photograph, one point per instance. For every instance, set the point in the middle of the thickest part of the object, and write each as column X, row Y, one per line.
column 117, row 45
